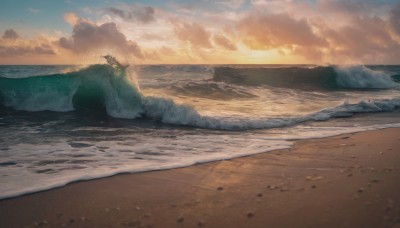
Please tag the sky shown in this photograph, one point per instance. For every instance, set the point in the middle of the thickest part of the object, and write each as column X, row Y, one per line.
column 200, row 31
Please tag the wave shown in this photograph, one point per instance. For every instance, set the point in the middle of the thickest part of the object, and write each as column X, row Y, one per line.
column 361, row 77
column 95, row 87
column 101, row 87
column 168, row 112
column 210, row 89
column 321, row 77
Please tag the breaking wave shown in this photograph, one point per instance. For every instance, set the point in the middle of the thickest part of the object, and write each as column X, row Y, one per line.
column 95, row 87
column 167, row 111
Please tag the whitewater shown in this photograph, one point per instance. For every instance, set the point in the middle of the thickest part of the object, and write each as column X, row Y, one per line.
column 60, row 124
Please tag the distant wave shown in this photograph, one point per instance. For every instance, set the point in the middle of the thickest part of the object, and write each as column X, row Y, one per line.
column 317, row 78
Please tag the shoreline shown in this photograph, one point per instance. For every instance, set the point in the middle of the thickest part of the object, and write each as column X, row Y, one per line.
column 345, row 180
column 96, row 177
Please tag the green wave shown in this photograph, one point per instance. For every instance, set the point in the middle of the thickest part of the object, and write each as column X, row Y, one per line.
column 97, row 87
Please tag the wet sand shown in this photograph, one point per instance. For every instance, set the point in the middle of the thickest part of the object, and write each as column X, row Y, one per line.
column 350, row 180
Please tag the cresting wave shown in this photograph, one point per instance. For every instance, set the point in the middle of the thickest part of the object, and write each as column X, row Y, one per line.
column 316, row 78
column 101, row 87
column 95, row 87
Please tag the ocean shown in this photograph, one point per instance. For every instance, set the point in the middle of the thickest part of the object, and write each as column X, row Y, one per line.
column 60, row 124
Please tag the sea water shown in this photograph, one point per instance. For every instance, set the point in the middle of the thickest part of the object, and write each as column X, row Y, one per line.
column 60, row 124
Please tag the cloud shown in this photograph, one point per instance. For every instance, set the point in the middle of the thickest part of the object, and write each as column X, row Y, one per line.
column 71, row 18
column 368, row 40
column 143, row 14
column 167, row 51
column 40, row 49
column 268, row 31
column 10, row 34
column 312, row 31
column 364, row 32
column 224, row 42
column 194, row 33
column 11, row 45
column 395, row 19
column 89, row 37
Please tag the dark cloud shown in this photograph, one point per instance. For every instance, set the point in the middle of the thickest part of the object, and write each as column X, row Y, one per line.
column 117, row 12
column 193, row 33
column 88, row 37
column 10, row 34
column 143, row 14
column 395, row 19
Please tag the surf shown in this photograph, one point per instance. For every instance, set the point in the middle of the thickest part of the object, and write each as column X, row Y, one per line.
column 115, row 91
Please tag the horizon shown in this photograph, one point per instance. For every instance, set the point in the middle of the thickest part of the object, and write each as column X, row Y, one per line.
column 214, row 64
column 222, row 32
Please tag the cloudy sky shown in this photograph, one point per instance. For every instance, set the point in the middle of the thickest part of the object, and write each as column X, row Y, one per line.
column 200, row 31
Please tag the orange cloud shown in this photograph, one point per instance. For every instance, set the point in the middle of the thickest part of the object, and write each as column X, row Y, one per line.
column 224, row 42
column 361, row 38
column 11, row 45
column 71, row 18
column 269, row 31
column 194, row 33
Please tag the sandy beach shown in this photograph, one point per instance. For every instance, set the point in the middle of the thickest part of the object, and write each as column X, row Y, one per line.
column 349, row 180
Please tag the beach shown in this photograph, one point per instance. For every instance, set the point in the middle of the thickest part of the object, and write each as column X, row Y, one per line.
column 349, row 180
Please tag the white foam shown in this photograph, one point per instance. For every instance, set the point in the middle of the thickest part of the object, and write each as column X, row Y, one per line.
column 169, row 112
column 141, row 152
